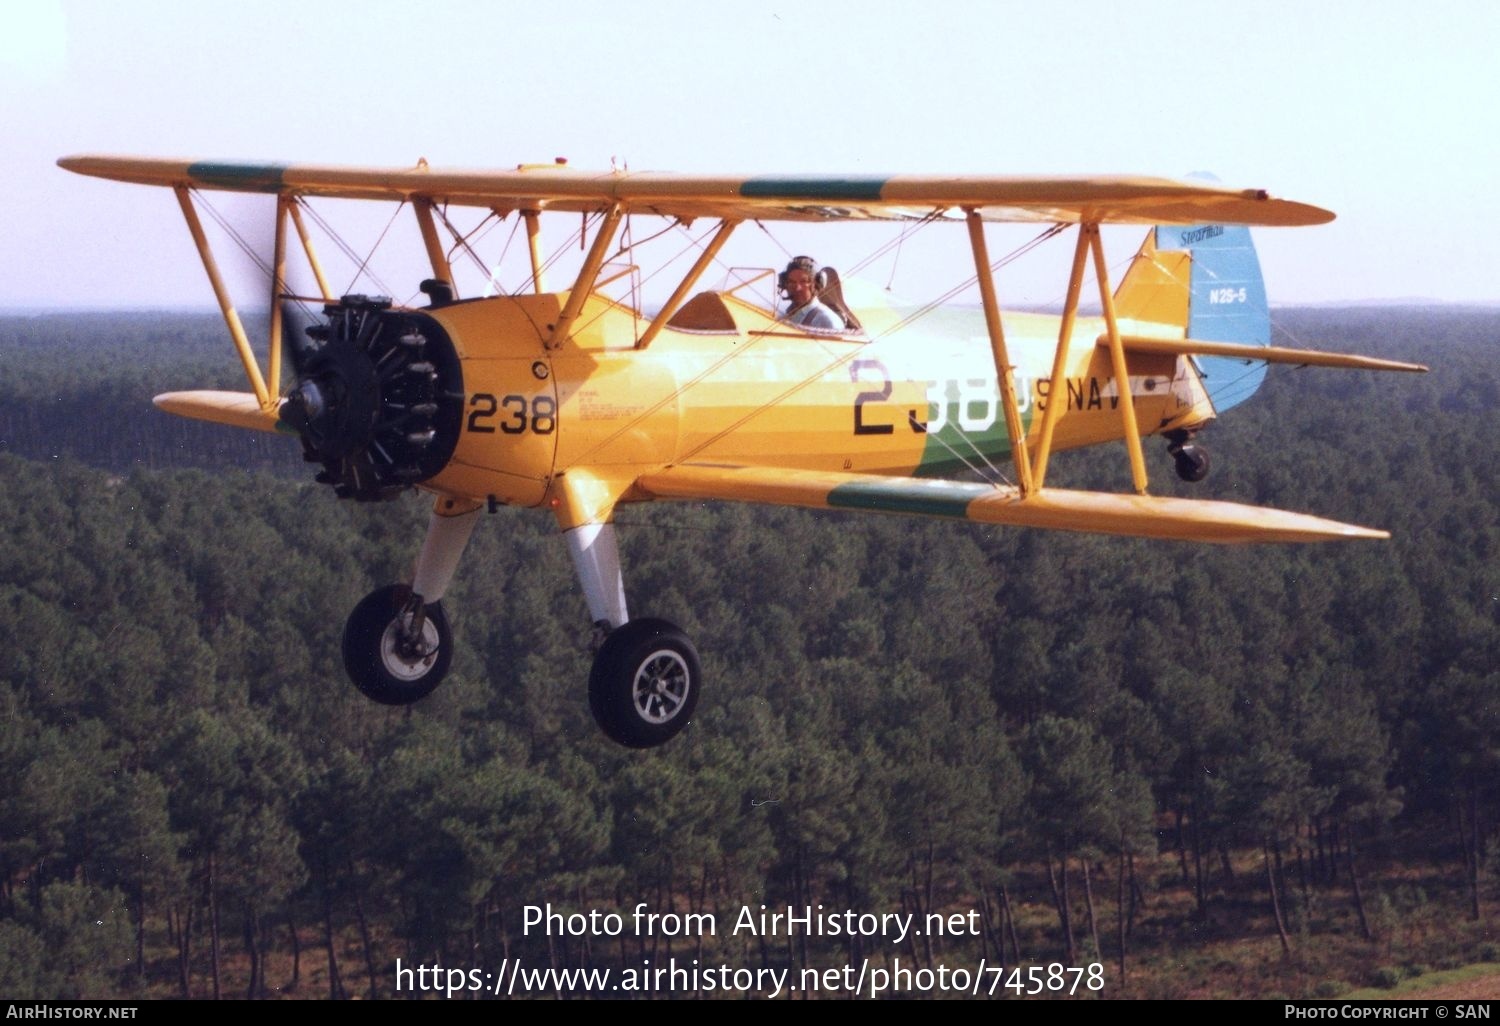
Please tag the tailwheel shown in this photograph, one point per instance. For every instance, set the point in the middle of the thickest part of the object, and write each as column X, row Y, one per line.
column 396, row 648
column 1191, row 462
column 1190, row 459
column 644, row 685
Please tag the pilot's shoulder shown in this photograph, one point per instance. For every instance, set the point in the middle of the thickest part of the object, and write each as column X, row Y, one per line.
column 824, row 317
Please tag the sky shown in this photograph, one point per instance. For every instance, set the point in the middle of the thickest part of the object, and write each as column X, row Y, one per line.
column 1380, row 111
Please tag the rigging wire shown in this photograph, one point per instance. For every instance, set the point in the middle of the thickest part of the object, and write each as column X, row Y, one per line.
column 999, row 477
column 370, row 255
column 895, row 263
column 909, row 228
column 775, row 241
column 564, row 247
column 661, row 268
column 346, row 249
column 492, row 276
column 461, row 241
column 922, row 311
column 239, row 240
column 256, row 257
column 991, row 473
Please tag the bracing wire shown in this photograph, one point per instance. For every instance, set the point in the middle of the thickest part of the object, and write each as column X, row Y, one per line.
column 260, row 262
column 461, row 241
column 346, row 249
column 363, row 264
column 491, row 275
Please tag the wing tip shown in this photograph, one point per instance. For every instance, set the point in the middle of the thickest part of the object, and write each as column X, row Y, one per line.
column 235, row 409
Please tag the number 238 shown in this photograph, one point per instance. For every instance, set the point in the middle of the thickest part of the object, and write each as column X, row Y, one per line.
column 515, row 414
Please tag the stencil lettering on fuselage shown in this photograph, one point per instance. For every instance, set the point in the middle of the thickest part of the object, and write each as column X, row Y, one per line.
column 965, row 424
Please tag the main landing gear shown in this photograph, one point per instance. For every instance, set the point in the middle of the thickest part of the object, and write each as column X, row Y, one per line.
column 1191, row 459
column 397, row 643
column 646, row 676
column 644, row 685
column 397, row 648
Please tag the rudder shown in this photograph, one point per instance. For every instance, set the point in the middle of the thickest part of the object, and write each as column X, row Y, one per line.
column 1205, row 278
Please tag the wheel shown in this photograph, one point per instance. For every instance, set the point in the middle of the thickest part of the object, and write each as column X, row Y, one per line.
column 644, row 685
column 382, row 662
column 1192, row 462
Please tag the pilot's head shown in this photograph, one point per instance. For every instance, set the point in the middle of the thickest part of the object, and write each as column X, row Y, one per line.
column 799, row 282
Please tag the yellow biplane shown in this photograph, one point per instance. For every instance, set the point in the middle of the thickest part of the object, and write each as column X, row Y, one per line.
column 577, row 402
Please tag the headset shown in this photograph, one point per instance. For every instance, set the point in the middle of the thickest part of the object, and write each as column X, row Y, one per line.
column 801, row 263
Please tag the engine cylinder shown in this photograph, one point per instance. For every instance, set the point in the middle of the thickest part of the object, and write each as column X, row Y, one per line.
column 379, row 398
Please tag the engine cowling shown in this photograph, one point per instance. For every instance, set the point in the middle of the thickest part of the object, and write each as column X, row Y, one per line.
column 378, row 399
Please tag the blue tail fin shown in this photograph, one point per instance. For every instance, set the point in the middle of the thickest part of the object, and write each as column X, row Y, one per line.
column 1205, row 280
column 1226, row 303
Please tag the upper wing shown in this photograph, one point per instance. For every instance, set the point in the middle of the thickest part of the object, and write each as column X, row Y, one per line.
column 1142, row 516
column 1097, row 199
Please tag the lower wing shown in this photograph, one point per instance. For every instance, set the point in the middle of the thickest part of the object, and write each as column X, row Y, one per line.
column 1142, row 516
column 237, row 409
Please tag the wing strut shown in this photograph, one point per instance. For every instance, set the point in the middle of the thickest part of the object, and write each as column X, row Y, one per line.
column 278, row 286
column 1060, row 361
column 726, row 228
column 1003, row 368
column 587, row 275
column 1117, row 354
column 307, row 247
column 534, row 244
column 434, row 245
column 226, row 305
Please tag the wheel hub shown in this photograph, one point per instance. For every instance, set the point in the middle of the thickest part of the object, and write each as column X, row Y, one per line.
column 406, row 655
column 661, row 686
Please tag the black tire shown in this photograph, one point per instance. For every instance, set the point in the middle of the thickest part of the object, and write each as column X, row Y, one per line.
column 1192, row 462
column 645, row 682
column 371, row 649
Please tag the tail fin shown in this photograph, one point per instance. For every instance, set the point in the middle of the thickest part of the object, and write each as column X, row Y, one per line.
column 1206, row 280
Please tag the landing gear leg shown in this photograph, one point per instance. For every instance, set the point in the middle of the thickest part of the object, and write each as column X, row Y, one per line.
column 397, row 643
column 596, row 557
column 646, row 676
column 447, row 535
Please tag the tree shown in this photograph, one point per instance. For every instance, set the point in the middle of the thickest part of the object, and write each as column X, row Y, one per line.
column 1070, row 806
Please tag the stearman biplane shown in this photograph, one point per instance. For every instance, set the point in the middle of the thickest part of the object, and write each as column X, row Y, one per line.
column 578, row 403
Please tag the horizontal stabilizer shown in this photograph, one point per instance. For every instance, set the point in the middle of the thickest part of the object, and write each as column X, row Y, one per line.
column 1142, row 516
column 1268, row 354
column 237, row 409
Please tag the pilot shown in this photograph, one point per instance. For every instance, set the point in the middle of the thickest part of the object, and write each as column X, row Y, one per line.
column 799, row 284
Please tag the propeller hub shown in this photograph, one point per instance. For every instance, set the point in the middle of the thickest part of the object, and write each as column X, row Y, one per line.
column 310, row 400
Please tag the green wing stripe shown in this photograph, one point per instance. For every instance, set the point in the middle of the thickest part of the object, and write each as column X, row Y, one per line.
column 248, row 177
column 814, row 188
column 933, row 499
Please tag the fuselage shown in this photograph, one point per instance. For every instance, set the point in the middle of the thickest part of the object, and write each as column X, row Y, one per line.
column 726, row 383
